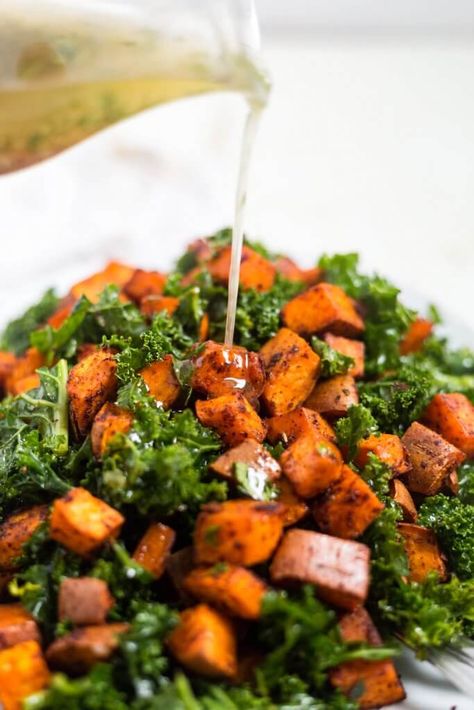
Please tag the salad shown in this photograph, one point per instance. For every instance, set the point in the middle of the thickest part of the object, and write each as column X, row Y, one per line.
column 193, row 526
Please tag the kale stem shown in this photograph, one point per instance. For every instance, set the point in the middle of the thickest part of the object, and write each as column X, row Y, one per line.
column 60, row 419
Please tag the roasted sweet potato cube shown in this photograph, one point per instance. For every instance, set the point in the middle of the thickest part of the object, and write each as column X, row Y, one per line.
column 7, row 363
column 338, row 568
column 422, row 551
column 203, row 333
column 291, row 271
column 144, row 283
column 178, row 565
column 235, row 590
column 109, row 421
column 161, row 381
column 25, row 384
column 62, row 312
column 255, row 271
column 351, row 348
column 16, row 626
column 153, row 549
column 84, row 600
column 388, row 448
column 16, row 530
column 204, row 642
column 452, row 416
column 311, row 464
column 82, row 523
column 222, row 369
column 452, row 483
column 416, row 335
column 347, row 507
column 294, row 507
column 333, row 398
column 323, row 307
column 401, row 495
column 292, row 369
column 78, row 651
column 233, row 417
column 241, row 532
column 114, row 273
column 91, row 383
column 23, row 671
column 299, row 422
column 432, row 459
column 20, row 376
column 262, row 466
column 151, row 305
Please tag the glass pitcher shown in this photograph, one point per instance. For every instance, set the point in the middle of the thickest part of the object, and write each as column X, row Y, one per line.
column 69, row 68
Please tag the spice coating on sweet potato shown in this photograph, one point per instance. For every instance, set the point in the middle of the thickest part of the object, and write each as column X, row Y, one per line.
column 311, row 464
column 401, row 495
column 154, row 548
column 242, row 532
column 338, row 568
column 25, row 384
column 416, row 335
column 235, row 590
column 292, row 369
column 452, row 416
column 91, row 383
column 78, row 651
column 299, row 422
column 422, row 551
column 161, row 381
column 151, row 305
column 388, row 448
column 294, row 507
column 84, row 600
column 221, row 369
column 16, row 626
column 251, row 453
column 233, row 417
column 16, row 530
column 255, row 271
column 23, row 671
column 351, row 348
column 291, row 271
column 333, row 398
column 7, row 363
column 22, row 376
column 109, row 421
column 114, row 274
column 144, row 283
column 204, row 642
column 323, row 307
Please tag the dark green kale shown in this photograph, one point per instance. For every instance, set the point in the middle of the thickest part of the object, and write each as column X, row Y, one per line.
column 95, row 691
column 358, row 424
column 332, row 362
column 16, row 336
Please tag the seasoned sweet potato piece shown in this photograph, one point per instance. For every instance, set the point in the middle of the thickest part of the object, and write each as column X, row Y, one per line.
column 161, row 381
column 299, row 422
column 204, row 642
column 109, row 421
column 144, row 283
column 311, row 464
column 235, row 590
column 388, row 448
column 378, row 680
column 255, row 271
column 432, row 459
column 416, row 335
column 204, row 328
column 292, row 369
column 323, row 307
column 16, row 626
column 233, row 417
column 154, row 548
column 452, row 416
column 178, row 565
column 191, row 276
column 114, row 273
column 452, row 483
column 84, row 600
column 422, row 551
column 25, row 384
column 81, row 522
column 294, row 508
column 78, row 651
column 221, row 369
column 260, row 462
column 24, row 368
column 242, row 532
column 332, row 398
column 150, row 305
column 401, row 495
column 16, row 530
column 62, row 312
column 23, row 671
column 86, row 349
column 351, row 348
column 7, row 363
column 338, row 568
column 91, row 383
column 201, row 249
column 347, row 507
column 291, row 271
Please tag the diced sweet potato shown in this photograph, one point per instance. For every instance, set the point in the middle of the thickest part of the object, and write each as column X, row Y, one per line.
column 82, row 523
column 388, row 448
column 109, row 421
column 153, row 549
column 452, row 483
column 203, row 333
column 151, row 305
column 24, row 367
column 299, row 422
column 161, row 381
column 259, row 461
column 220, row 369
column 422, row 551
column 191, row 276
column 86, row 349
column 25, row 384
column 294, row 507
column 452, row 416
column 311, row 464
column 114, row 273
column 401, row 495
column 23, row 671
column 323, row 307
column 351, row 348
column 16, row 530
column 144, row 283
column 255, row 271
column 62, row 312
column 233, row 417
column 178, row 565
column 242, row 532
column 91, row 383
column 204, row 642
column 333, row 398
column 201, row 250
column 378, row 680
column 291, row 271
column 78, row 651
column 292, row 369
column 432, row 459
column 84, row 600
column 7, row 363
column 233, row 589
column 338, row 568
column 416, row 335
column 347, row 507
column 16, row 626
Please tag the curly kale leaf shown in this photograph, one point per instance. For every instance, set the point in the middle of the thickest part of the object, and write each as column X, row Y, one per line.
column 16, row 336
column 332, row 362
column 358, row 424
